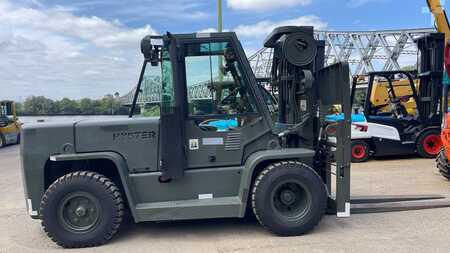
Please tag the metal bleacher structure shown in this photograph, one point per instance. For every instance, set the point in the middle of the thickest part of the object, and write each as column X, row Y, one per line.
column 366, row 51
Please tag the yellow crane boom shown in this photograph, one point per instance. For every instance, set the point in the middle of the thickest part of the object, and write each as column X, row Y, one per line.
column 440, row 17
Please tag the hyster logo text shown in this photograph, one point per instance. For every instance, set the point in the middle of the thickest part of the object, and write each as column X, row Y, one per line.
column 142, row 135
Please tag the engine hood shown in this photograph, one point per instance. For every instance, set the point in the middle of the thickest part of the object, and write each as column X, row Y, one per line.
column 104, row 134
column 136, row 139
column 48, row 138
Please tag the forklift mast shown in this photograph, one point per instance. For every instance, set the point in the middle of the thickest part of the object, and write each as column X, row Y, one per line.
column 307, row 93
column 297, row 59
column 430, row 68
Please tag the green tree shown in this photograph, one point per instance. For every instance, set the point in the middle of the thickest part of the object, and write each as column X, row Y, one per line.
column 108, row 104
column 38, row 105
column 68, row 106
column 150, row 111
column 409, row 68
column 19, row 108
column 86, row 106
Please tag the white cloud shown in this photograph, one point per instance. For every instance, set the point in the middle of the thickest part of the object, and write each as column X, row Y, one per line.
column 260, row 5
column 211, row 30
column 252, row 35
column 92, row 29
column 263, row 28
column 358, row 3
column 208, row 30
column 55, row 53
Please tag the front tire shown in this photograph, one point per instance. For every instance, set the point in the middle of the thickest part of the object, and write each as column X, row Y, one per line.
column 82, row 209
column 289, row 198
column 429, row 144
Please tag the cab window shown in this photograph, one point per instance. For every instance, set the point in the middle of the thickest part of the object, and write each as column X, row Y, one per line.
column 216, row 87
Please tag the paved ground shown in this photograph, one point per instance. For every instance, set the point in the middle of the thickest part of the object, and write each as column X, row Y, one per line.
column 413, row 231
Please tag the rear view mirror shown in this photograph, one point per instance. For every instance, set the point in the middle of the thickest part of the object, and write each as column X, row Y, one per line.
column 229, row 55
column 151, row 52
column 146, row 47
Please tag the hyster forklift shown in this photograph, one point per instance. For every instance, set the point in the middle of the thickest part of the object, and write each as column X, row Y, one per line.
column 286, row 164
column 9, row 124
column 390, row 128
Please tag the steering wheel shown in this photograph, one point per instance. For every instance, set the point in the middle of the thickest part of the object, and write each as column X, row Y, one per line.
column 405, row 98
column 398, row 109
column 374, row 109
column 230, row 98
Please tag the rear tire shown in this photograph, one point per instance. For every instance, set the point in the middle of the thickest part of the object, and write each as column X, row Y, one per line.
column 82, row 209
column 429, row 144
column 360, row 151
column 289, row 198
column 18, row 139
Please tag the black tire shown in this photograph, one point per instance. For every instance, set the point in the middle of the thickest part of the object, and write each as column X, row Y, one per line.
column 18, row 139
column 304, row 214
column 360, row 151
column 442, row 164
column 2, row 141
column 59, row 214
column 429, row 148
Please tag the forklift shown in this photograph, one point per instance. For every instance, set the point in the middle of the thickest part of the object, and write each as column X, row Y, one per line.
column 390, row 128
column 287, row 164
column 9, row 124
column 442, row 162
column 443, row 26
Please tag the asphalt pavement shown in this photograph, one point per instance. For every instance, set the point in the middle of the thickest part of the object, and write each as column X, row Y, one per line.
column 411, row 231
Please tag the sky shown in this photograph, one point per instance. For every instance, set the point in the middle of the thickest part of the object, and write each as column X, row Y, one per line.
column 90, row 48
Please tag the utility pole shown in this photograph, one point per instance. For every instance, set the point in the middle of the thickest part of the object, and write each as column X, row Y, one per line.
column 219, row 29
column 219, row 15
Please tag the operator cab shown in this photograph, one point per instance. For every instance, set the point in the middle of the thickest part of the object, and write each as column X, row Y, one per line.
column 391, row 99
column 206, row 90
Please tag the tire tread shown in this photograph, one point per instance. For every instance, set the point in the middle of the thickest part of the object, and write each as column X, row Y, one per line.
column 261, row 176
column 108, row 185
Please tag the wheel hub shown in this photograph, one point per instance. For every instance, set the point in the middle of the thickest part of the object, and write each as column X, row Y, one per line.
column 291, row 199
column 358, row 151
column 79, row 212
column 287, row 197
column 432, row 144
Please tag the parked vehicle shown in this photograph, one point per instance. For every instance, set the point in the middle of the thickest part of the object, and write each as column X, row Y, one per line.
column 9, row 124
column 392, row 127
